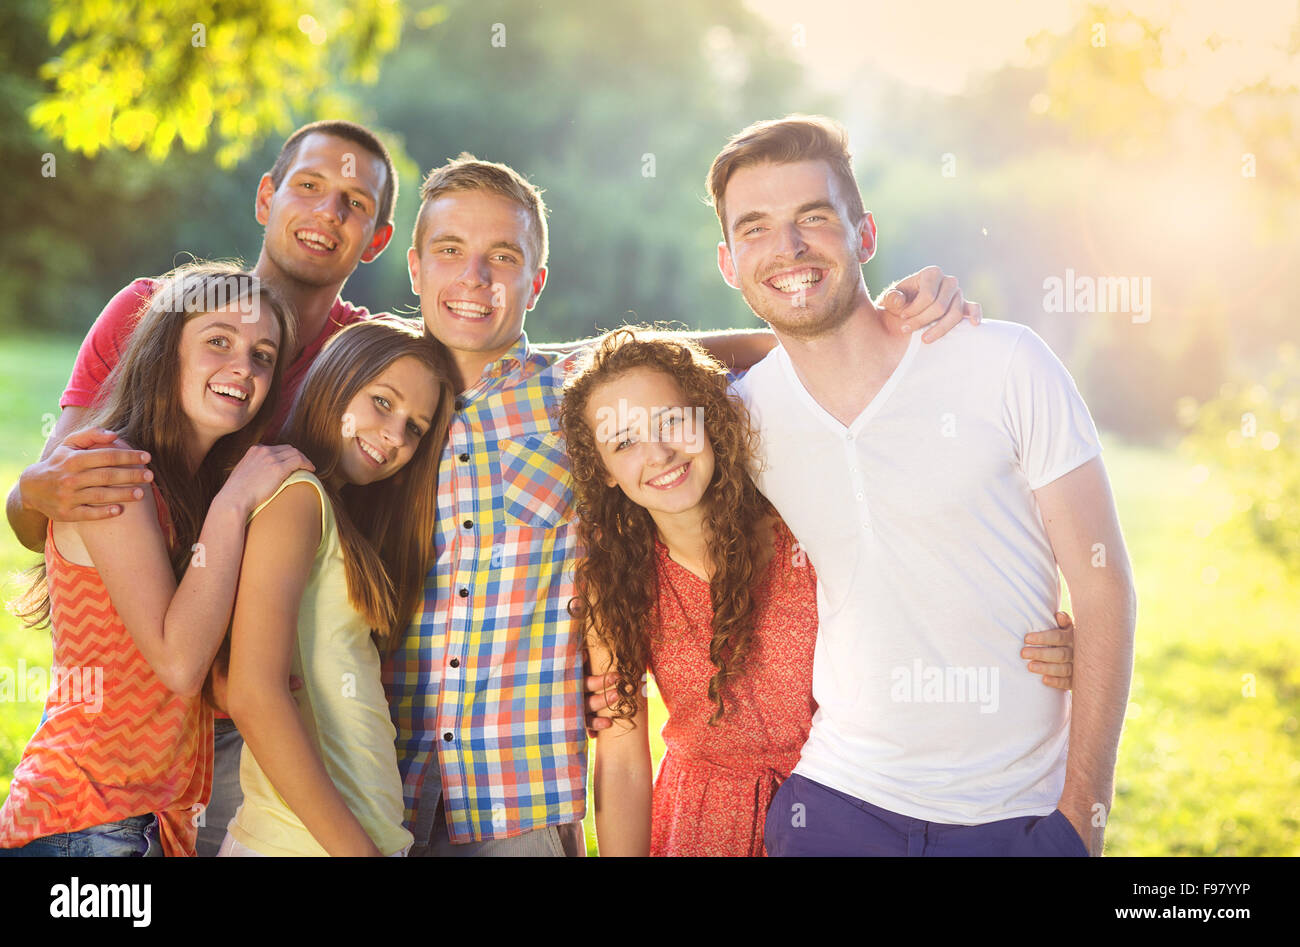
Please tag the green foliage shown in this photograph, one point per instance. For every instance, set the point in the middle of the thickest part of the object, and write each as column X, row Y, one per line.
column 152, row 75
column 1250, row 430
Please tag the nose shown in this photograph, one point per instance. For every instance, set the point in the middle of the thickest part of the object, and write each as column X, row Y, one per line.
column 241, row 363
column 790, row 241
column 330, row 207
column 658, row 453
column 476, row 272
column 393, row 430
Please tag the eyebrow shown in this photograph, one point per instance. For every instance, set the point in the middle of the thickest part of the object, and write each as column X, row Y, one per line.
column 618, row 436
column 229, row 327
column 460, row 241
column 428, row 421
column 754, row 215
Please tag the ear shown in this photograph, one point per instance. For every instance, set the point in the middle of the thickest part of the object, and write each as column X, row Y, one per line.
column 413, row 266
column 377, row 243
column 262, row 203
column 866, row 238
column 727, row 266
column 539, row 283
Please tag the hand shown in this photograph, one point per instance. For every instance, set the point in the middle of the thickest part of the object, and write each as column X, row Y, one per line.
column 259, row 474
column 602, row 697
column 87, row 477
column 1051, row 653
column 925, row 297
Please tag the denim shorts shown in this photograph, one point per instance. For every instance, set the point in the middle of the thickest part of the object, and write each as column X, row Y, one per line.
column 134, row 837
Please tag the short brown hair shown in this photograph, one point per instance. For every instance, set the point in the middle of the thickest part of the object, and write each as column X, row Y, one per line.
column 467, row 173
column 348, row 131
column 783, row 141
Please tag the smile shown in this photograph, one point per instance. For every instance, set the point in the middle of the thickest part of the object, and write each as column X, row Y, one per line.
column 464, row 309
column 673, row 478
column 315, row 240
column 373, row 455
column 792, row 281
column 229, row 392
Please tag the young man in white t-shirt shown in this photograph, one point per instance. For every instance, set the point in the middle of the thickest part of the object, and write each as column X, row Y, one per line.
column 935, row 489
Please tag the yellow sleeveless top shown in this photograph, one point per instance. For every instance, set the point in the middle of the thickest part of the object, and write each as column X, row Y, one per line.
column 343, row 706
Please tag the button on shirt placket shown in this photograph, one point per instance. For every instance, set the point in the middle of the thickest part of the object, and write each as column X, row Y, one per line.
column 852, row 461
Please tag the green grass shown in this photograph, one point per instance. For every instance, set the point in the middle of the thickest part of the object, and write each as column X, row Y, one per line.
column 1203, row 769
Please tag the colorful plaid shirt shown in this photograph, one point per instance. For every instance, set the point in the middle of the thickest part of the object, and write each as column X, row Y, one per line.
column 488, row 683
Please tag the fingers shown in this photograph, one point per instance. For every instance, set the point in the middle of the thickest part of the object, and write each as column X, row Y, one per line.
column 974, row 313
column 87, row 458
column 1052, row 637
column 1055, row 656
column 1060, row 683
column 955, row 313
column 1062, row 669
column 933, row 296
column 88, row 438
column 87, row 514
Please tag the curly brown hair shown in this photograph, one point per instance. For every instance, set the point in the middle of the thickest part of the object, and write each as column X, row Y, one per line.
column 616, row 583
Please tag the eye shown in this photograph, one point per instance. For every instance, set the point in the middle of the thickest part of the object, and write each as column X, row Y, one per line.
column 505, row 258
column 814, row 217
column 415, row 430
column 306, row 184
column 383, row 402
column 219, row 341
column 265, row 356
column 626, row 442
column 752, row 230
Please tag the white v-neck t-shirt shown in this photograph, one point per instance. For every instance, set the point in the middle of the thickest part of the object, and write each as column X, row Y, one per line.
column 932, row 563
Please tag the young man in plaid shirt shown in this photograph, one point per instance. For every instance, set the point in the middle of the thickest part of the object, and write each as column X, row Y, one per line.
column 486, row 690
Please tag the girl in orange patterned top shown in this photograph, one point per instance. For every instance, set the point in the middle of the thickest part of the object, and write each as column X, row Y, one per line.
column 138, row 603
column 689, row 573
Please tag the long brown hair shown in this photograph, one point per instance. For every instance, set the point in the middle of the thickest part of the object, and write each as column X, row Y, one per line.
column 141, row 401
column 385, row 528
column 617, row 583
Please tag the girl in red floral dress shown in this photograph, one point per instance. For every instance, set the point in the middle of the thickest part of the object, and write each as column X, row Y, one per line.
column 689, row 573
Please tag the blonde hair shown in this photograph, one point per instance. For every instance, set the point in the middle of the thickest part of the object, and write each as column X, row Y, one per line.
column 467, row 173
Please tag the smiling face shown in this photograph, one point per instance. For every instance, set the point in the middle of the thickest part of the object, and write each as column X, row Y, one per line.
column 226, row 368
column 794, row 252
column 651, row 442
column 321, row 221
column 385, row 420
column 474, row 276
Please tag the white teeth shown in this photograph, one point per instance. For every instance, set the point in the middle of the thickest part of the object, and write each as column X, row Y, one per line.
column 670, row 477
column 370, row 452
column 229, row 390
column 316, row 239
column 470, row 310
column 788, row 284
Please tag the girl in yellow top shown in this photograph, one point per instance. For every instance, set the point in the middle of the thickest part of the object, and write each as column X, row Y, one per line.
column 334, row 566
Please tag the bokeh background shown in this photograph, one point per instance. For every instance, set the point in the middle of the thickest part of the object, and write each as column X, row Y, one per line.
column 1010, row 142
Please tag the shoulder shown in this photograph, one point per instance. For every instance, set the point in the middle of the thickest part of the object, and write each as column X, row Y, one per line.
column 761, row 376
column 301, row 497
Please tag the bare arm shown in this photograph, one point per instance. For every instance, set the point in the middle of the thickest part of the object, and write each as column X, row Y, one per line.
column 622, row 779
column 80, row 476
column 282, row 543
column 179, row 629
column 1083, row 527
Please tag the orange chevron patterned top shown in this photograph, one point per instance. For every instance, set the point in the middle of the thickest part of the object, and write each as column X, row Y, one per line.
column 115, row 741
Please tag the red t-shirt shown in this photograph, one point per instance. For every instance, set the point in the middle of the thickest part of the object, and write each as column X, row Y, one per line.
column 108, row 338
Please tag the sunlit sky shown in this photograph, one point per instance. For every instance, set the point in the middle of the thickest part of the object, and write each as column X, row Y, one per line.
column 940, row 44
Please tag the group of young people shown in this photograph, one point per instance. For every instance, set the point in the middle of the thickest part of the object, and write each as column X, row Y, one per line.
column 383, row 549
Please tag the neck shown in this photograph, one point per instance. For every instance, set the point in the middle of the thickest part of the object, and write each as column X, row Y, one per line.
column 310, row 304
column 686, row 537
column 196, row 449
column 470, row 365
column 844, row 368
